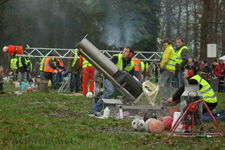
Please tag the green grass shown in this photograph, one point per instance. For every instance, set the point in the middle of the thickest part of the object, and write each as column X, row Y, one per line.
column 53, row 121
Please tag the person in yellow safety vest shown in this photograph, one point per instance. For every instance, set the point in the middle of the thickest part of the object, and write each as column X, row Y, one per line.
column 182, row 54
column 167, row 69
column 29, row 70
column 74, row 67
column 41, row 67
column 88, row 73
column 14, row 68
column 205, row 89
column 144, row 70
column 49, row 66
column 123, row 62
column 136, row 67
column 22, row 65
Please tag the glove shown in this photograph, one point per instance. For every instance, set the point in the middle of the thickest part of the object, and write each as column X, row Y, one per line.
column 161, row 70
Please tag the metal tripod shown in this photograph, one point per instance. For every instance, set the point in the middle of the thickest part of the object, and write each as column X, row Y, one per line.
column 65, row 87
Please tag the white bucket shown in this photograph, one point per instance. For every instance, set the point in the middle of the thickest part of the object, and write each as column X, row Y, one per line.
column 17, row 85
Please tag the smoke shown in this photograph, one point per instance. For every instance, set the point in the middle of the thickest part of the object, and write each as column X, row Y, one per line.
column 121, row 30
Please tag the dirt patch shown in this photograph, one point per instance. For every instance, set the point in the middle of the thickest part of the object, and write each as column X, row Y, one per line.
column 61, row 114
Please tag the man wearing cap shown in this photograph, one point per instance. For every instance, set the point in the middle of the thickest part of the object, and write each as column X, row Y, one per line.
column 167, row 69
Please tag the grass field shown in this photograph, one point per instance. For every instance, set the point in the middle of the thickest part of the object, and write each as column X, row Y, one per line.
column 52, row 121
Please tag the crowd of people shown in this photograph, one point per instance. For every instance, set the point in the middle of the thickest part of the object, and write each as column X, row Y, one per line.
column 172, row 69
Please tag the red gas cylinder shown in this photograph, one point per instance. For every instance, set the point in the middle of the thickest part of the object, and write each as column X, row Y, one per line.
column 12, row 48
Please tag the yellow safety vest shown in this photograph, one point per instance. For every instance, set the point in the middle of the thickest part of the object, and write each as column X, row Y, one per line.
column 75, row 59
column 172, row 60
column 178, row 54
column 120, row 64
column 42, row 64
column 30, row 65
column 86, row 63
column 20, row 63
column 13, row 63
column 206, row 90
column 143, row 66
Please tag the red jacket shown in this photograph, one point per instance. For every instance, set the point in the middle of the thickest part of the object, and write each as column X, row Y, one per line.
column 219, row 71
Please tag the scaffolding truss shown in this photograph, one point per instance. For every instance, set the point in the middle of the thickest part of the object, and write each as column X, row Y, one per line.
column 65, row 53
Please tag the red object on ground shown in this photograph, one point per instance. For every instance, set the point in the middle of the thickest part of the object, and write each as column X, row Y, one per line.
column 167, row 120
column 29, row 89
column 11, row 49
column 157, row 127
column 174, row 109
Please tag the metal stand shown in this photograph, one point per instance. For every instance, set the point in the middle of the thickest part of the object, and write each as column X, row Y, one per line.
column 65, row 87
column 193, row 108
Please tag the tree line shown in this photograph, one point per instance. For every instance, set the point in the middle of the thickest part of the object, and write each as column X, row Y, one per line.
column 112, row 24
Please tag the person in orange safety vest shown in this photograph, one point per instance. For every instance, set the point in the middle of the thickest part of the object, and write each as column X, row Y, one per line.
column 136, row 67
column 48, row 69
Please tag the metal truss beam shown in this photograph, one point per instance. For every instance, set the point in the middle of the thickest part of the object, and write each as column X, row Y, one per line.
column 65, row 53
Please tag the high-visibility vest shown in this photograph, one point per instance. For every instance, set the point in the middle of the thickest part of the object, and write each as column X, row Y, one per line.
column 20, row 63
column 119, row 64
column 136, row 64
column 143, row 67
column 178, row 54
column 47, row 67
column 13, row 63
column 172, row 60
column 42, row 64
column 75, row 59
column 86, row 63
column 28, row 61
column 206, row 90
column 60, row 62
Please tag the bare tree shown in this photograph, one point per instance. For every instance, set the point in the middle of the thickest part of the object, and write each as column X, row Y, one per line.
column 2, row 54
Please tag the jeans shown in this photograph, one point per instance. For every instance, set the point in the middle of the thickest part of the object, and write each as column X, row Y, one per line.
column 110, row 89
column 136, row 73
column 58, row 78
column 180, row 79
column 42, row 75
column 166, row 78
column 22, row 77
column 75, row 79
column 221, row 85
column 143, row 77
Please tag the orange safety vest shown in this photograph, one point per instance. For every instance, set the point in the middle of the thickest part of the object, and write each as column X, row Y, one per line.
column 47, row 67
column 60, row 63
column 136, row 64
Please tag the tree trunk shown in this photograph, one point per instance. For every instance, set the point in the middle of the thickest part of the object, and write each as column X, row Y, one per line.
column 195, row 28
column 186, row 39
column 3, row 55
column 204, row 29
column 223, row 39
column 178, row 18
column 168, row 19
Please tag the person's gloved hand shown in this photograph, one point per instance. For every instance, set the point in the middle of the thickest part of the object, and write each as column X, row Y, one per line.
column 161, row 70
